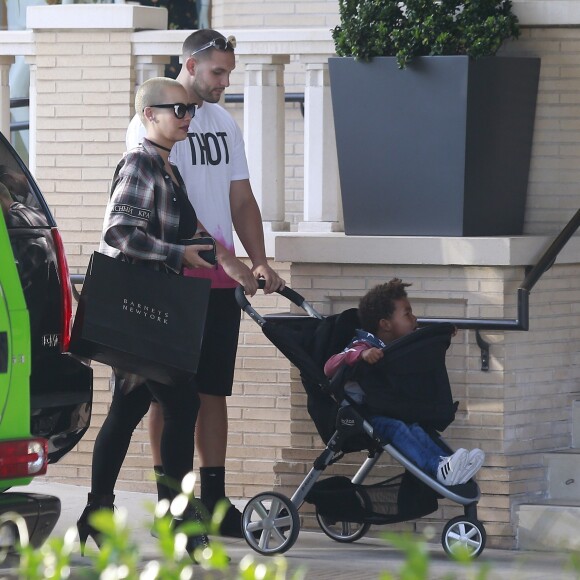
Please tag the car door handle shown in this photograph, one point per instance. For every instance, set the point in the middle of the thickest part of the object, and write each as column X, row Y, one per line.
column 3, row 352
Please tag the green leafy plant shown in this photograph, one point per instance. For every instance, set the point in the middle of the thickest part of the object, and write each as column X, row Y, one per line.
column 370, row 28
column 119, row 558
column 417, row 559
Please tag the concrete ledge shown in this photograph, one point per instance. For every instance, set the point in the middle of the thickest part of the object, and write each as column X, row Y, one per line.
column 548, row 528
column 563, row 474
column 337, row 248
column 96, row 16
column 17, row 42
column 547, row 12
column 250, row 41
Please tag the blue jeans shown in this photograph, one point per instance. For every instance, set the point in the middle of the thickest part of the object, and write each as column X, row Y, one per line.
column 412, row 441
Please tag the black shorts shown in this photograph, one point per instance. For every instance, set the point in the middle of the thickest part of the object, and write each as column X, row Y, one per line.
column 215, row 373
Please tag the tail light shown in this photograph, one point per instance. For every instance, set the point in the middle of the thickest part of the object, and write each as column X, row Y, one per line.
column 65, row 289
column 23, row 458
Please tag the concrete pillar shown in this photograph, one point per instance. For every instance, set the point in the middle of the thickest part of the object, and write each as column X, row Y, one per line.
column 264, row 123
column 147, row 67
column 5, row 62
column 322, row 207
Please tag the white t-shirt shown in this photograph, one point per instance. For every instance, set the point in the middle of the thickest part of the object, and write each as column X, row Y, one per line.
column 209, row 159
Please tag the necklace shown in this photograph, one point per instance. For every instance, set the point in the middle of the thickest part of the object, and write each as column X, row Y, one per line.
column 160, row 146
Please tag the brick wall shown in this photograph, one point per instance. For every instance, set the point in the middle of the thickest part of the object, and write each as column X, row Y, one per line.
column 84, row 101
column 554, row 172
column 514, row 412
column 277, row 14
column 84, row 94
column 259, row 412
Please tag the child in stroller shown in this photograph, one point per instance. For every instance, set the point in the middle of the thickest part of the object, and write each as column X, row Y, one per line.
column 386, row 314
column 347, row 507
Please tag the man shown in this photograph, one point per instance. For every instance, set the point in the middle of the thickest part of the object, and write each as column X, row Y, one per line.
column 213, row 164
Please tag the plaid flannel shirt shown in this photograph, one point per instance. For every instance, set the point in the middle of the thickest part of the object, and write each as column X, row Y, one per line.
column 142, row 216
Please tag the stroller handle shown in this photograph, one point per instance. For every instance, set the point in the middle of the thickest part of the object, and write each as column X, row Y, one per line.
column 287, row 292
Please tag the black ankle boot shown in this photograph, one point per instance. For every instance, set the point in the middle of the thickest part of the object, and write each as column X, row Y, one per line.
column 163, row 490
column 200, row 540
column 85, row 529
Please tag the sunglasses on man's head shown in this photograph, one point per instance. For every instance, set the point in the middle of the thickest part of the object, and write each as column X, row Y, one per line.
column 220, row 43
column 179, row 109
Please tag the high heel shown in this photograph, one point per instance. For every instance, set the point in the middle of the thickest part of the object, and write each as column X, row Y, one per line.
column 200, row 540
column 84, row 528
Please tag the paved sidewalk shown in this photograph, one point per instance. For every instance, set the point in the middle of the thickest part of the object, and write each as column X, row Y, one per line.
column 322, row 557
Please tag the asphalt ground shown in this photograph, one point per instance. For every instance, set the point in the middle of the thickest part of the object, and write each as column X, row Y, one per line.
column 313, row 556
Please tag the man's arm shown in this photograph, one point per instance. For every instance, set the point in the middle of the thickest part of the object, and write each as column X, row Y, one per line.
column 247, row 221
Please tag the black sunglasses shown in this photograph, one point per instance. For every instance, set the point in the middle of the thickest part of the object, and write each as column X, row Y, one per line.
column 220, row 43
column 179, row 109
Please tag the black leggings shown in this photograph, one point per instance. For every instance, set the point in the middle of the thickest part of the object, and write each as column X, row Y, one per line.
column 180, row 406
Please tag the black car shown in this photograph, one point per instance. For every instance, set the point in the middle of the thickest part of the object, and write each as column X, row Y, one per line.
column 43, row 418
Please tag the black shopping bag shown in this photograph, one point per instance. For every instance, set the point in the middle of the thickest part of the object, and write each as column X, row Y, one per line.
column 140, row 320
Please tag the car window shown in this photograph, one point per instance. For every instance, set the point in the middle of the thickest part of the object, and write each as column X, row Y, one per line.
column 20, row 205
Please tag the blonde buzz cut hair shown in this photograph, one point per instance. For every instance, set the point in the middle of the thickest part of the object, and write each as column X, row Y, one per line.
column 152, row 92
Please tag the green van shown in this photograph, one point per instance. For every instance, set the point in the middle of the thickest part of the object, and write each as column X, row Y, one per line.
column 45, row 392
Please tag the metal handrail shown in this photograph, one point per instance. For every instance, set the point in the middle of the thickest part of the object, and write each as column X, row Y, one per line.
column 288, row 98
column 522, row 322
column 76, row 279
column 18, row 103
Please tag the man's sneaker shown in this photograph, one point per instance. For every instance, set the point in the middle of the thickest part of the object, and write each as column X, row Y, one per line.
column 451, row 469
column 475, row 459
column 231, row 525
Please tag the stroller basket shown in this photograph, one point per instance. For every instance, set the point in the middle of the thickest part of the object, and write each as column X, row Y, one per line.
column 396, row 499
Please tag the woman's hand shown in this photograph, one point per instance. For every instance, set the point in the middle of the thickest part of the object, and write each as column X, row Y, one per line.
column 191, row 258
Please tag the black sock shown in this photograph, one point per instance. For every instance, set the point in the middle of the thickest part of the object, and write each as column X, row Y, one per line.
column 163, row 492
column 213, row 485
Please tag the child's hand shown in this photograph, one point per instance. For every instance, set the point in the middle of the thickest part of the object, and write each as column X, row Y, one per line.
column 372, row 355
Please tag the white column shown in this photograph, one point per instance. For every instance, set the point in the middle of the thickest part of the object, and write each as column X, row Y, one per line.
column 322, row 207
column 264, row 126
column 32, row 110
column 5, row 62
column 147, row 67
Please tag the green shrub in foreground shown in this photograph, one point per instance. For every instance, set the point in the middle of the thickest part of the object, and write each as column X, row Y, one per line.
column 119, row 557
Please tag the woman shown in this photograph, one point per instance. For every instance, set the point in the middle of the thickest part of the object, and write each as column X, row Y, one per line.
column 147, row 215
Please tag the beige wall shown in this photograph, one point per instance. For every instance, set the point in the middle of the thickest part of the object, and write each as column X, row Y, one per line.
column 553, row 194
column 259, row 412
column 514, row 412
column 520, row 409
column 274, row 14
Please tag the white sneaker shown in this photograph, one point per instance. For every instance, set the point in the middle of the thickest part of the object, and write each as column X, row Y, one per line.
column 451, row 468
column 475, row 459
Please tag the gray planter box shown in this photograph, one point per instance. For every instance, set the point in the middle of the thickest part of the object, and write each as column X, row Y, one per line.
column 441, row 148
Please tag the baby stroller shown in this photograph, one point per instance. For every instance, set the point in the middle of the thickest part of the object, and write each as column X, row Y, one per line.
column 345, row 508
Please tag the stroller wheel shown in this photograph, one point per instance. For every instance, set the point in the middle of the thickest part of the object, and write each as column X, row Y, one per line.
column 464, row 534
column 342, row 531
column 270, row 523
